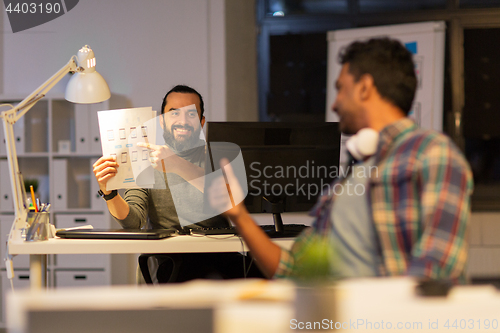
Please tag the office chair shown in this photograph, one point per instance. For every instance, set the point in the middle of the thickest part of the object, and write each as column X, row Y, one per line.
column 181, row 267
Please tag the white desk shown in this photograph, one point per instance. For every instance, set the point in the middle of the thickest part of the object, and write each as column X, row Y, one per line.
column 176, row 244
column 242, row 306
column 361, row 305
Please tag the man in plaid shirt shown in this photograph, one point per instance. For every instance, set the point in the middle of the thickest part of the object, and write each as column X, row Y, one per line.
column 413, row 217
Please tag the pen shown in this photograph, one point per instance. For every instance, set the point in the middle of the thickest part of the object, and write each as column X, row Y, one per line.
column 33, row 198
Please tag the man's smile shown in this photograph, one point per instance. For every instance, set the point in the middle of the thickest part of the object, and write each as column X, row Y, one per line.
column 182, row 131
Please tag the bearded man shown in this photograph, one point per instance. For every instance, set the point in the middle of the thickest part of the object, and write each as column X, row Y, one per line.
column 176, row 200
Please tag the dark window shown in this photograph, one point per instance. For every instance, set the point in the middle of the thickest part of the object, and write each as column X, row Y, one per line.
column 298, row 77
column 481, row 117
column 298, row 7
column 399, row 5
column 479, row 3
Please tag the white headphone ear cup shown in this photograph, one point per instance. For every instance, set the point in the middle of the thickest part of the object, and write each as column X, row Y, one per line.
column 352, row 147
column 367, row 141
column 363, row 144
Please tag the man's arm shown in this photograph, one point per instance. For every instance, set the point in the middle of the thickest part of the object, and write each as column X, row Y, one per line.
column 441, row 252
column 164, row 160
column 221, row 197
column 266, row 253
column 104, row 169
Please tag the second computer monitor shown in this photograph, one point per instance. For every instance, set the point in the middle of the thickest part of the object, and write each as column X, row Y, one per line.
column 287, row 164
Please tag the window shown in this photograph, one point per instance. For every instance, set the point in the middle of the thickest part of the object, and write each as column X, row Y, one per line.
column 481, row 117
column 479, row 3
column 298, row 7
column 399, row 5
column 297, row 77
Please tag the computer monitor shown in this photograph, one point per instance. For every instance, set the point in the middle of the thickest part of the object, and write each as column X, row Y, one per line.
column 287, row 164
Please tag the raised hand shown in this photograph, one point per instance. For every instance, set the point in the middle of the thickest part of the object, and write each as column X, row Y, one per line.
column 104, row 169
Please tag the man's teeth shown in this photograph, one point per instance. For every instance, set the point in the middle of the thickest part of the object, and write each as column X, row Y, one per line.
column 182, row 130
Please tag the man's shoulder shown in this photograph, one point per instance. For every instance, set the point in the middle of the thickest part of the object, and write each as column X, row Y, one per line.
column 423, row 139
column 433, row 145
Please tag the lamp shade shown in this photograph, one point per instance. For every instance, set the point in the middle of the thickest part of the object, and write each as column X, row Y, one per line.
column 87, row 88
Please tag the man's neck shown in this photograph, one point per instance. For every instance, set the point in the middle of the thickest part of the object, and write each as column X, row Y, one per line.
column 382, row 114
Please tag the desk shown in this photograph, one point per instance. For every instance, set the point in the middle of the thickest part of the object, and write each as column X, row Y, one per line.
column 175, row 244
column 236, row 304
column 363, row 305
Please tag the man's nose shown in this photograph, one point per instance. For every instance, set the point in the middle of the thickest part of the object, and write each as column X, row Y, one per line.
column 182, row 118
column 334, row 106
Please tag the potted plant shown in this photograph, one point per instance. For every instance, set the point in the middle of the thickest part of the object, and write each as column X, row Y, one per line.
column 315, row 273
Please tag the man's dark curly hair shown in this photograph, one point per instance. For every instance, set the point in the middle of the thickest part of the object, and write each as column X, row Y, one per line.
column 389, row 63
column 185, row 90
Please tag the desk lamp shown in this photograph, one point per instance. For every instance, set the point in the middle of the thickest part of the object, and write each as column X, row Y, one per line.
column 86, row 86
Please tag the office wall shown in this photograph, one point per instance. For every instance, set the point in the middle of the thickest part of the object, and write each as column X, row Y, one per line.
column 142, row 48
column 241, row 61
column 1, row 53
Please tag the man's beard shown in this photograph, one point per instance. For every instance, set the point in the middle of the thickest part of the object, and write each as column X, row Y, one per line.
column 181, row 145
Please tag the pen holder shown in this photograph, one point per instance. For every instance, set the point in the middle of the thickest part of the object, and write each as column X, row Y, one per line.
column 38, row 228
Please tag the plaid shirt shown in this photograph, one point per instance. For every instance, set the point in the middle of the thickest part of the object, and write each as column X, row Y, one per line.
column 420, row 201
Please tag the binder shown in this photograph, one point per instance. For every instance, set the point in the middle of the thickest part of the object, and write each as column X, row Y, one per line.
column 95, row 135
column 19, row 136
column 6, row 201
column 60, row 184
column 3, row 146
column 82, row 128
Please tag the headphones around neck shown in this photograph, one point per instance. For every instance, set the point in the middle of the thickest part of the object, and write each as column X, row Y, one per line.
column 363, row 144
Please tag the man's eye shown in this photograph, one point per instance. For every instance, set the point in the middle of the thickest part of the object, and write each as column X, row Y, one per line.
column 174, row 113
column 192, row 114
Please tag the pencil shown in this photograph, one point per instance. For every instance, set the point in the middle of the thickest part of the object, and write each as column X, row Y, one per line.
column 33, row 198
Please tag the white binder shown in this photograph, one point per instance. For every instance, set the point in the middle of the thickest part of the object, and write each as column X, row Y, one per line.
column 3, row 147
column 60, row 184
column 6, row 203
column 82, row 130
column 19, row 136
column 95, row 135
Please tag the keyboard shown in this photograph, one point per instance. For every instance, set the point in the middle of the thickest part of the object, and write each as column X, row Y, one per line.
column 291, row 230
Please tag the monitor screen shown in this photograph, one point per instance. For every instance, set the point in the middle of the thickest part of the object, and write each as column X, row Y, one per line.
column 286, row 164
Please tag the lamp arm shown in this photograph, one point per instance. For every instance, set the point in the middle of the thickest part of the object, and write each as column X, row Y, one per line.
column 27, row 103
column 10, row 117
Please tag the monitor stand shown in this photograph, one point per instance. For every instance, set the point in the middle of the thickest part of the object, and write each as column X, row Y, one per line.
column 280, row 230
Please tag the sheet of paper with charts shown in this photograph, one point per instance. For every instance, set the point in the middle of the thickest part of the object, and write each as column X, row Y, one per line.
column 120, row 131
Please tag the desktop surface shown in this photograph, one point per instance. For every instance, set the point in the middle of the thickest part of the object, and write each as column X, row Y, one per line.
column 174, row 244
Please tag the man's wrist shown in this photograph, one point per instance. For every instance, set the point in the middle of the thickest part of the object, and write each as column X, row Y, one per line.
column 105, row 192
column 108, row 196
column 240, row 216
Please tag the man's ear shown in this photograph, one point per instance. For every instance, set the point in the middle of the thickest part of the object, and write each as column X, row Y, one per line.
column 367, row 86
column 202, row 122
column 162, row 121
